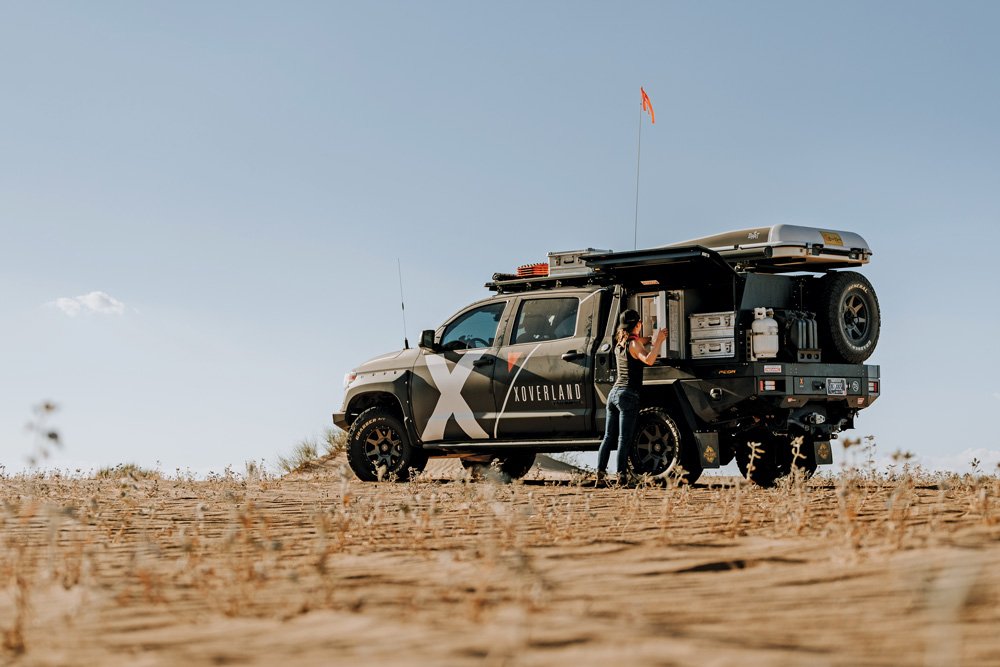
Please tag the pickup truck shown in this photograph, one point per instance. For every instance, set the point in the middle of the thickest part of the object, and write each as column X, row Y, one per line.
column 763, row 362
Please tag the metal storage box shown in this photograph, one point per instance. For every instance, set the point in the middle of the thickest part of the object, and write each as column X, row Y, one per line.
column 712, row 348
column 712, row 325
column 570, row 262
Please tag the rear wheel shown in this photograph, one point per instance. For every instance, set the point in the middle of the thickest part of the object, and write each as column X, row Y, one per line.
column 756, row 458
column 804, row 460
column 378, row 448
column 849, row 317
column 659, row 449
column 773, row 456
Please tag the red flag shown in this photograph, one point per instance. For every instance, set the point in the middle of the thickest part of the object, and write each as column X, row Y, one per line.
column 647, row 105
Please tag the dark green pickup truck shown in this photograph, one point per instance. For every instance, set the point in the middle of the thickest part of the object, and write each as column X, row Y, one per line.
column 767, row 337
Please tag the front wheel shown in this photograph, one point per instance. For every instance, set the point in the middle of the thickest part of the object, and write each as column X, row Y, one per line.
column 378, row 448
column 659, row 450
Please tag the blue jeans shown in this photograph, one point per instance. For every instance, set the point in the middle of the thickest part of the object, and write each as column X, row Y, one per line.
column 619, row 429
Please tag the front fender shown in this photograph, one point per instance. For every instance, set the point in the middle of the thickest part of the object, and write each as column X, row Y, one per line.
column 388, row 388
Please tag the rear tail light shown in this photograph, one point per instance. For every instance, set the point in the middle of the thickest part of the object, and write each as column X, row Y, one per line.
column 768, row 385
column 873, row 386
column 349, row 378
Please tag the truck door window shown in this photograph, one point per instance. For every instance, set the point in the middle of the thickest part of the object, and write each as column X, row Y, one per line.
column 474, row 328
column 546, row 319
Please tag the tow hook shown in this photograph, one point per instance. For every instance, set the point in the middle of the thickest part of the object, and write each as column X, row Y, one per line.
column 816, row 418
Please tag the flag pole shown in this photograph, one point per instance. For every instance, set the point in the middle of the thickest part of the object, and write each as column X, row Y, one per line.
column 638, row 155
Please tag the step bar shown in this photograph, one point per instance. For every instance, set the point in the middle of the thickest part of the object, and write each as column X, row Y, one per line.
column 562, row 445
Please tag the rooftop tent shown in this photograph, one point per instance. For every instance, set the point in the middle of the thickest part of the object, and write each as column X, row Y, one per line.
column 666, row 268
column 781, row 248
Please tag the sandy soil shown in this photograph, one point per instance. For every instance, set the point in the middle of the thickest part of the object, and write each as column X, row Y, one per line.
column 319, row 569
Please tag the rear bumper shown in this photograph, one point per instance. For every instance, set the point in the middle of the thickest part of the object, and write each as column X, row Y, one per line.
column 728, row 391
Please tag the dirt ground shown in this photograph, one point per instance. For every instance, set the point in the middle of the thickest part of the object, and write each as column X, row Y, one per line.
column 319, row 569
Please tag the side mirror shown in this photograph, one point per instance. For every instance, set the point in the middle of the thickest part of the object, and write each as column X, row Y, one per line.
column 427, row 340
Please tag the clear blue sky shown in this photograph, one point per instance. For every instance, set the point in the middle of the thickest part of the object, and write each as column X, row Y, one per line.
column 240, row 177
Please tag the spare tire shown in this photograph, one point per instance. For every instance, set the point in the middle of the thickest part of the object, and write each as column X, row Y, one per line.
column 849, row 317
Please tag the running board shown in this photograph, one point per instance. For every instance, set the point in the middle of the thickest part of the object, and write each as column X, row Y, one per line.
column 572, row 445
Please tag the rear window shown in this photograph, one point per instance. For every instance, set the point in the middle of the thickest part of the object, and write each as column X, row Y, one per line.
column 546, row 319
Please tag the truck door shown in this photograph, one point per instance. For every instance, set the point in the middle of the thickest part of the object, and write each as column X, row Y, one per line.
column 542, row 379
column 452, row 390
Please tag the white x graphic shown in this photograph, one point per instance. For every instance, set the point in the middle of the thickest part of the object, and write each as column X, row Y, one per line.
column 451, row 401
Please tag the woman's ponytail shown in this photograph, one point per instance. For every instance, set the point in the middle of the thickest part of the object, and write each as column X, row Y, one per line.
column 626, row 324
column 621, row 336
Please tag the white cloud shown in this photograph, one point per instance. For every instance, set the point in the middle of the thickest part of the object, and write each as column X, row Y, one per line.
column 989, row 460
column 94, row 303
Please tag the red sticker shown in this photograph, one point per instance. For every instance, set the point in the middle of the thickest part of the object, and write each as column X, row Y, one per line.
column 512, row 358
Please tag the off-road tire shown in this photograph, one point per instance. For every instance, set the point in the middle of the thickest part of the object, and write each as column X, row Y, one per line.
column 378, row 448
column 765, row 464
column 775, row 460
column 659, row 450
column 514, row 465
column 806, row 462
column 848, row 317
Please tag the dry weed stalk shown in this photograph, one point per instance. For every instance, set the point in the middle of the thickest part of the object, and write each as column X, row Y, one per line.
column 13, row 637
column 736, row 515
column 792, row 490
column 901, row 499
column 46, row 437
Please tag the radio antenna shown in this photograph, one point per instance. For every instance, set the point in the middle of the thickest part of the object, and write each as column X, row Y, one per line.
column 402, row 304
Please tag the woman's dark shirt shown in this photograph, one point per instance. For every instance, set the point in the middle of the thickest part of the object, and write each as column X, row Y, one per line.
column 629, row 368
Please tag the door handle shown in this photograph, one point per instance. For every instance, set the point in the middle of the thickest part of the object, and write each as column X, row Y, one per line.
column 573, row 355
column 483, row 362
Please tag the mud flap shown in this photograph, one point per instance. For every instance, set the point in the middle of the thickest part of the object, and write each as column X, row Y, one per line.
column 824, row 453
column 708, row 448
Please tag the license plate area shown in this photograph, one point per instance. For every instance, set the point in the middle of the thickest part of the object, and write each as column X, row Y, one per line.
column 836, row 387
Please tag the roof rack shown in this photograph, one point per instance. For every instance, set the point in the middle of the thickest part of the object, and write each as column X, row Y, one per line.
column 774, row 249
column 507, row 283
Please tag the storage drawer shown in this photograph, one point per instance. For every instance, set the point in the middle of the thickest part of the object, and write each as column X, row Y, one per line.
column 711, row 348
column 712, row 325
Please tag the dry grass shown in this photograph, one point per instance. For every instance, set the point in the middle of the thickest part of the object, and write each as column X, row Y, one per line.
column 317, row 568
column 310, row 452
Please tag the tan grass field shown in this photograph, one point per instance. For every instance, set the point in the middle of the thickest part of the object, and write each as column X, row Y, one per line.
column 319, row 569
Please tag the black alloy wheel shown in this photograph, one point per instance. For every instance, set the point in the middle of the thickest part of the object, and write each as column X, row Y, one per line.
column 378, row 448
column 848, row 316
column 658, row 449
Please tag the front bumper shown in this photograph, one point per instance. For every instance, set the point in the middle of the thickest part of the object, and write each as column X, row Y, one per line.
column 340, row 420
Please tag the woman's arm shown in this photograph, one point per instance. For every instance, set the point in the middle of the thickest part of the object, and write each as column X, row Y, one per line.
column 642, row 355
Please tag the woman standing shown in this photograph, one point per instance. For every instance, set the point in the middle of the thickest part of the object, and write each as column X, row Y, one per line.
column 623, row 400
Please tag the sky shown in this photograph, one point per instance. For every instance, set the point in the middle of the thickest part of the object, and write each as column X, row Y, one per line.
column 202, row 205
